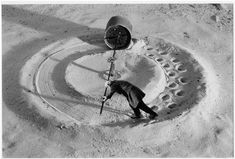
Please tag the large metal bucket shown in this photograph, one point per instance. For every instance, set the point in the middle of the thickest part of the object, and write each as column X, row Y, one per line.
column 118, row 33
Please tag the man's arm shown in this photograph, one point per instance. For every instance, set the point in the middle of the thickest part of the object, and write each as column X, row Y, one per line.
column 110, row 94
column 113, row 89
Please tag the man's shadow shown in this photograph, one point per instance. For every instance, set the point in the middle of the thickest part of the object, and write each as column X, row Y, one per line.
column 14, row 60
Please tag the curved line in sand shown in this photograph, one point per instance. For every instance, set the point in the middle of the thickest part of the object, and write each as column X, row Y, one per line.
column 37, row 90
column 176, row 104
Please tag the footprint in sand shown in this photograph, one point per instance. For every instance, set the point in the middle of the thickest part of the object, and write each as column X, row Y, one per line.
column 183, row 80
column 180, row 68
column 172, row 85
column 181, row 71
column 165, row 97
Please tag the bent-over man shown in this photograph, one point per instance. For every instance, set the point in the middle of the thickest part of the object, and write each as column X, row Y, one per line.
column 133, row 94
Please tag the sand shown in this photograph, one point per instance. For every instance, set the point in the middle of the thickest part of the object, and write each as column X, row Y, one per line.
column 129, row 66
column 54, row 64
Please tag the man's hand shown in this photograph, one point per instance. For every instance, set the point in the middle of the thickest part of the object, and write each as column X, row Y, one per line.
column 104, row 98
column 106, row 84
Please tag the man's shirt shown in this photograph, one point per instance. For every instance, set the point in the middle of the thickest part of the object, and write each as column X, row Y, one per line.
column 133, row 94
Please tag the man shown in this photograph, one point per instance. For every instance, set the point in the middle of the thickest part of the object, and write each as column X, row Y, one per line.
column 133, row 94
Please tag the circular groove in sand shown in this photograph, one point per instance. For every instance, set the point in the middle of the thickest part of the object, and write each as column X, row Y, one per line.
column 67, row 104
column 37, row 89
column 45, row 83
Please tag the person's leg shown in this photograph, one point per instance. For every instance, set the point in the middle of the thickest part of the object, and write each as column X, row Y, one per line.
column 146, row 109
column 136, row 111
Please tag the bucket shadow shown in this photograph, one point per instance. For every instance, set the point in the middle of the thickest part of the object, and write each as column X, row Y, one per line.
column 60, row 28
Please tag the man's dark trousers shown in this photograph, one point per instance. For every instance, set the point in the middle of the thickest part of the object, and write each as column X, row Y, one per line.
column 143, row 107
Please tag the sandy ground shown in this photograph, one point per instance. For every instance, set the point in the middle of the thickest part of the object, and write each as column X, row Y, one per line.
column 183, row 52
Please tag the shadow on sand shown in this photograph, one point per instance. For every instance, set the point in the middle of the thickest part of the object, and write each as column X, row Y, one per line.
column 14, row 60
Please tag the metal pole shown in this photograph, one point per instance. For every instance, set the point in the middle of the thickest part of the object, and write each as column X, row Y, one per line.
column 111, row 65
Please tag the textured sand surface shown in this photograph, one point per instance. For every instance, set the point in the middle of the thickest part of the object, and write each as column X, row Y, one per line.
column 182, row 57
